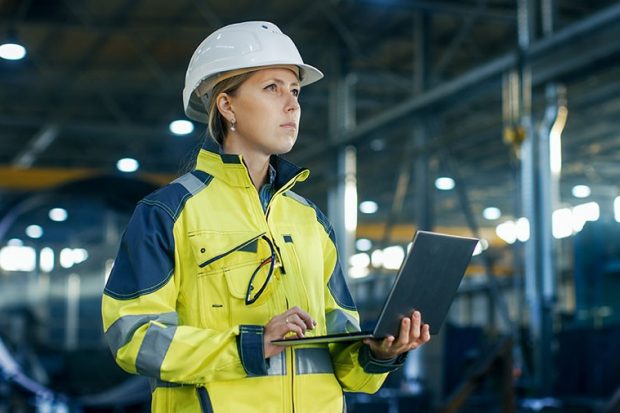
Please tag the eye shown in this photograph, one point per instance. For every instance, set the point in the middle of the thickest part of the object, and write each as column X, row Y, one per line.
column 272, row 87
column 295, row 92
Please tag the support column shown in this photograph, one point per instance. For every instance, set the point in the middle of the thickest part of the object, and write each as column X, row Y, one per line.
column 550, row 151
column 72, row 318
column 342, row 195
column 343, row 203
column 536, row 201
column 422, row 171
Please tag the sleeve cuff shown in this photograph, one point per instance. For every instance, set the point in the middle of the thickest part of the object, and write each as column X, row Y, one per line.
column 373, row 365
column 250, row 347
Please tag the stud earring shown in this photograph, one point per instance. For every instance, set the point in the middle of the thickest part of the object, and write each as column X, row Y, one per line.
column 233, row 126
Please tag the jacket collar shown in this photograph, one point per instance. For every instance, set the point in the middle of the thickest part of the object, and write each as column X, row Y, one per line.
column 231, row 169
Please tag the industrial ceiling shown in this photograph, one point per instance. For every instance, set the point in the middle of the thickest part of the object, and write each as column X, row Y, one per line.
column 102, row 81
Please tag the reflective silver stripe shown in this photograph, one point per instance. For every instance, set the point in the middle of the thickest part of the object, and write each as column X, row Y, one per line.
column 191, row 183
column 121, row 332
column 153, row 350
column 297, row 198
column 313, row 361
column 339, row 321
column 277, row 365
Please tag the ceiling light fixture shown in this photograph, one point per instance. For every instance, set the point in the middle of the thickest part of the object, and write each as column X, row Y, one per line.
column 12, row 51
column 581, row 191
column 127, row 165
column 58, row 214
column 368, row 207
column 34, row 231
column 444, row 183
column 491, row 213
column 181, row 127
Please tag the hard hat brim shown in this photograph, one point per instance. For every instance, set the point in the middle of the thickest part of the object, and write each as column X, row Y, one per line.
column 196, row 110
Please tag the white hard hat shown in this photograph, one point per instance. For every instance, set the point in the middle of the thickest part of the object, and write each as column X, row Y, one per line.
column 234, row 47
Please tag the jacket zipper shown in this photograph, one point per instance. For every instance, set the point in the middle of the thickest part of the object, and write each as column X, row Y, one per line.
column 238, row 247
column 268, row 210
column 291, row 356
column 266, row 215
column 285, row 188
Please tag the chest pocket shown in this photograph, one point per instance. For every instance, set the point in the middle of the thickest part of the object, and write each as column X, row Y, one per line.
column 304, row 258
column 227, row 262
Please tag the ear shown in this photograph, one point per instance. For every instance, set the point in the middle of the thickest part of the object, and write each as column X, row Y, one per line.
column 223, row 101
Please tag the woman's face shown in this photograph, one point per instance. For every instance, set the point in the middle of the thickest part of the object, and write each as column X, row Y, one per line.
column 266, row 112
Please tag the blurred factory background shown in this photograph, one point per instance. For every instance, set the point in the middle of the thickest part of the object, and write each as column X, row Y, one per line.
column 498, row 119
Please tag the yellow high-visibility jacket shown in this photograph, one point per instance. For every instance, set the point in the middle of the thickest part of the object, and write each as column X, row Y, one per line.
column 174, row 307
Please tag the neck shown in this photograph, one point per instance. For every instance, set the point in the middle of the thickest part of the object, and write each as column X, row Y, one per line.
column 257, row 163
column 258, row 167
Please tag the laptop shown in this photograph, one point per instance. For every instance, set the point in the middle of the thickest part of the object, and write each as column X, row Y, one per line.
column 427, row 281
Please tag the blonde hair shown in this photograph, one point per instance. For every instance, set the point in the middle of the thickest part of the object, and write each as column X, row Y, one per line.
column 217, row 123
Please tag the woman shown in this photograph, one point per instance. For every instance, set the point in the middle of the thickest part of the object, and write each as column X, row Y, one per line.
column 225, row 259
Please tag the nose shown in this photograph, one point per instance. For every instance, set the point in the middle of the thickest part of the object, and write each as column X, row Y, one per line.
column 292, row 104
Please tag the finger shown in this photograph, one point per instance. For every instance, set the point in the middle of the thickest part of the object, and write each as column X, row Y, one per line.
column 289, row 322
column 387, row 343
column 416, row 320
column 307, row 319
column 403, row 335
column 292, row 328
column 425, row 336
column 374, row 343
column 389, row 347
column 296, row 319
column 426, row 333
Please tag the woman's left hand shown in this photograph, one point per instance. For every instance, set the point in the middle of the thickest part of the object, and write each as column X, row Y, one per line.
column 412, row 335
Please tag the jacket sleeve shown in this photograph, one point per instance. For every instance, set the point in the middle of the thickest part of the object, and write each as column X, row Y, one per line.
column 139, row 313
column 355, row 367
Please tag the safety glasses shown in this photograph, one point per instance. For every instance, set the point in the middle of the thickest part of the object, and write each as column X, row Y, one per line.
column 262, row 274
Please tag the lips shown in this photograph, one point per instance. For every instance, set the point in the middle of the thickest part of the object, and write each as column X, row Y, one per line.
column 291, row 125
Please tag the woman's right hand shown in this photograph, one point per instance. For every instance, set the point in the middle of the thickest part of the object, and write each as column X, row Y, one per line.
column 294, row 320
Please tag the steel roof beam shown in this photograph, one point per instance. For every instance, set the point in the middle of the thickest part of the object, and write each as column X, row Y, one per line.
column 489, row 71
column 442, row 7
column 37, row 145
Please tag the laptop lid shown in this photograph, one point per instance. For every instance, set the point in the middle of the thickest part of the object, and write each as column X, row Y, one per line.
column 427, row 281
